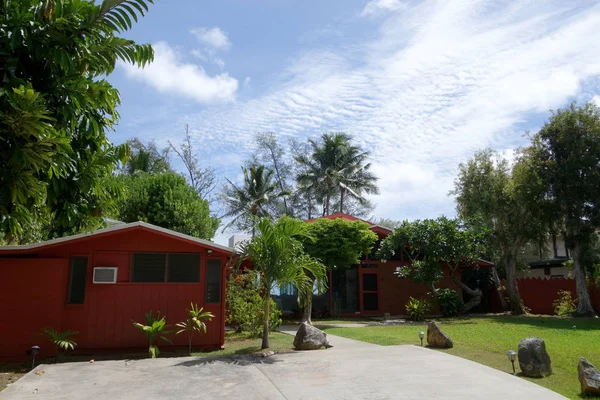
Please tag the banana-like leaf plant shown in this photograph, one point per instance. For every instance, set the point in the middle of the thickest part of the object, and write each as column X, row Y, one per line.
column 154, row 329
column 194, row 323
column 62, row 340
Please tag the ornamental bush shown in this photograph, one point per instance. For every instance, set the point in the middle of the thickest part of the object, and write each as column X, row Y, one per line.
column 245, row 305
column 416, row 309
column 565, row 304
column 450, row 302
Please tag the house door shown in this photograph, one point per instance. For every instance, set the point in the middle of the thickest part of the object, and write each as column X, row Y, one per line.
column 369, row 292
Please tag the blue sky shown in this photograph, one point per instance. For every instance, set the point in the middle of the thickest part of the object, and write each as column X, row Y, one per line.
column 421, row 84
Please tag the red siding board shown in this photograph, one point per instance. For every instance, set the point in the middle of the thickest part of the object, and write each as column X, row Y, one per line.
column 33, row 292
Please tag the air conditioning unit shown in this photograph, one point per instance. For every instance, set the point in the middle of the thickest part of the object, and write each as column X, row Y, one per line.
column 105, row 274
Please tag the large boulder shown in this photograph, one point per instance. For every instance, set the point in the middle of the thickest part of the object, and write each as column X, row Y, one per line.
column 437, row 338
column 589, row 377
column 533, row 358
column 310, row 338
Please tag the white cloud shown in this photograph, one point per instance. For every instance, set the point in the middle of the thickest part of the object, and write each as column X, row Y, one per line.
column 380, row 6
column 596, row 100
column 441, row 80
column 212, row 37
column 170, row 74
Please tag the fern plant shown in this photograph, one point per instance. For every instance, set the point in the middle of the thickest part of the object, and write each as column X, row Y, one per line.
column 154, row 329
column 62, row 340
column 194, row 323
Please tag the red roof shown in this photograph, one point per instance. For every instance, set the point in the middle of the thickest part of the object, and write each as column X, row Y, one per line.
column 374, row 227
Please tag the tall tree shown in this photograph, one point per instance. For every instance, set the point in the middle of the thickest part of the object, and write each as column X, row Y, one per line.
column 430, row 245
column 340, row 245
column 336, row 167
column 146, row 158
column 504, row 202
column 277, row 254
column 167, row 200
column 201, row 179
column 248, row 202
column 566, row 154
column 56, row 107
column 270, row 153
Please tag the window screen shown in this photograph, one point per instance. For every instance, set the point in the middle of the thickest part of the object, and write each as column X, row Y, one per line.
column 148, row 267
column 184, row 267
column 370, row 282
column 77, row 277
column 370, row 302
column 213, row 281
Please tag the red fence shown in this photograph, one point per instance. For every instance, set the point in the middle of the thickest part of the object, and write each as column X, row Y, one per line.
column 539, row 293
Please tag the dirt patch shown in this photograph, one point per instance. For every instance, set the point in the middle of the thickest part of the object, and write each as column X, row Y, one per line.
column 11, row 372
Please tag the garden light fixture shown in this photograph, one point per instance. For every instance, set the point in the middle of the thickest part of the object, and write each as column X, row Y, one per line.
column 34, row 351
column 209, row 252
column 512, row 355
column 421, row 336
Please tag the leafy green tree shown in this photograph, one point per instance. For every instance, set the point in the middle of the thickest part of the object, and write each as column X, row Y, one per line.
column 168, row 201
column 336, row 167
column 566, row 154
column 195, row 323
column 252, row 200
column 505, row 203
column 278, row 256
column 340, row 244
column 145, row 158
column 56, row 106
column 431, row 244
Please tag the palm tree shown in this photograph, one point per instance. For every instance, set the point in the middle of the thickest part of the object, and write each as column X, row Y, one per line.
column 279, row 258
column 335, row 167
column 252, row 200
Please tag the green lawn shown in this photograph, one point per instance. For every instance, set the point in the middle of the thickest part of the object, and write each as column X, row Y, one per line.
column 334, row 320
column 486, row 340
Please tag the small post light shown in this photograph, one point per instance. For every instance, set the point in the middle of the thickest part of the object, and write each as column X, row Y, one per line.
column 34, row 351
column 209, row 252
column 421, row 336
column 574, row 327
column 512, row 355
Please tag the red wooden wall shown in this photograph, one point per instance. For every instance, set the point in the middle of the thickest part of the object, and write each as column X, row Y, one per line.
column 34, row 293
column 538, row 293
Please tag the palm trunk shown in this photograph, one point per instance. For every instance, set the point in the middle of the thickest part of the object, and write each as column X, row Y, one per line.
column 342, row 192
column 307, row 312
column 584, row 304
column 265, row 337
column 190, row 344
column 512, row 289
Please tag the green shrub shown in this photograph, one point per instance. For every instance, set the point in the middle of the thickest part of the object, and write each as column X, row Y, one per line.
column 416, row 309
column 565, row 304
column 450, row 302
column 62, row 340
column 245, row 305
column 154, row 329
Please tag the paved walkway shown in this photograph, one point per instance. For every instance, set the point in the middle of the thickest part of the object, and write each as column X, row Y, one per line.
column 349, row 370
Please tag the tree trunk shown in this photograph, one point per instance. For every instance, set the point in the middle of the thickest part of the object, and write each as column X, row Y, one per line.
column 499, row 289
column 584, row 304
column 475, row 294
column 265, row 337
column 307, row 312
column 190, row 343
column 512, row 289
column 342, row 192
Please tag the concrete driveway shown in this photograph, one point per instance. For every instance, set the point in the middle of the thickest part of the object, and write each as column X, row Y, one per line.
column 349, row 370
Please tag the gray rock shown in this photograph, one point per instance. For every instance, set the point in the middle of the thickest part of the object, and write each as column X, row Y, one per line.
column 310, row 338
column 437, row 338
column 589, row 377
column 533, row 358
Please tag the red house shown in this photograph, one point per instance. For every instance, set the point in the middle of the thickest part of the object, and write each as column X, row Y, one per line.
column 96, row 283
column 371, row 288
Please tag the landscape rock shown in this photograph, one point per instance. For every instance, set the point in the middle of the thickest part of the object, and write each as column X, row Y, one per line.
column 437, row 338
column 310, row 338
column 533, row 358
column 589, row 377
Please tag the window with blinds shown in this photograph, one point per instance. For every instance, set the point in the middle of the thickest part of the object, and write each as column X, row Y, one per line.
column 213, row 281
column 77, row 280
column 166, row 267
